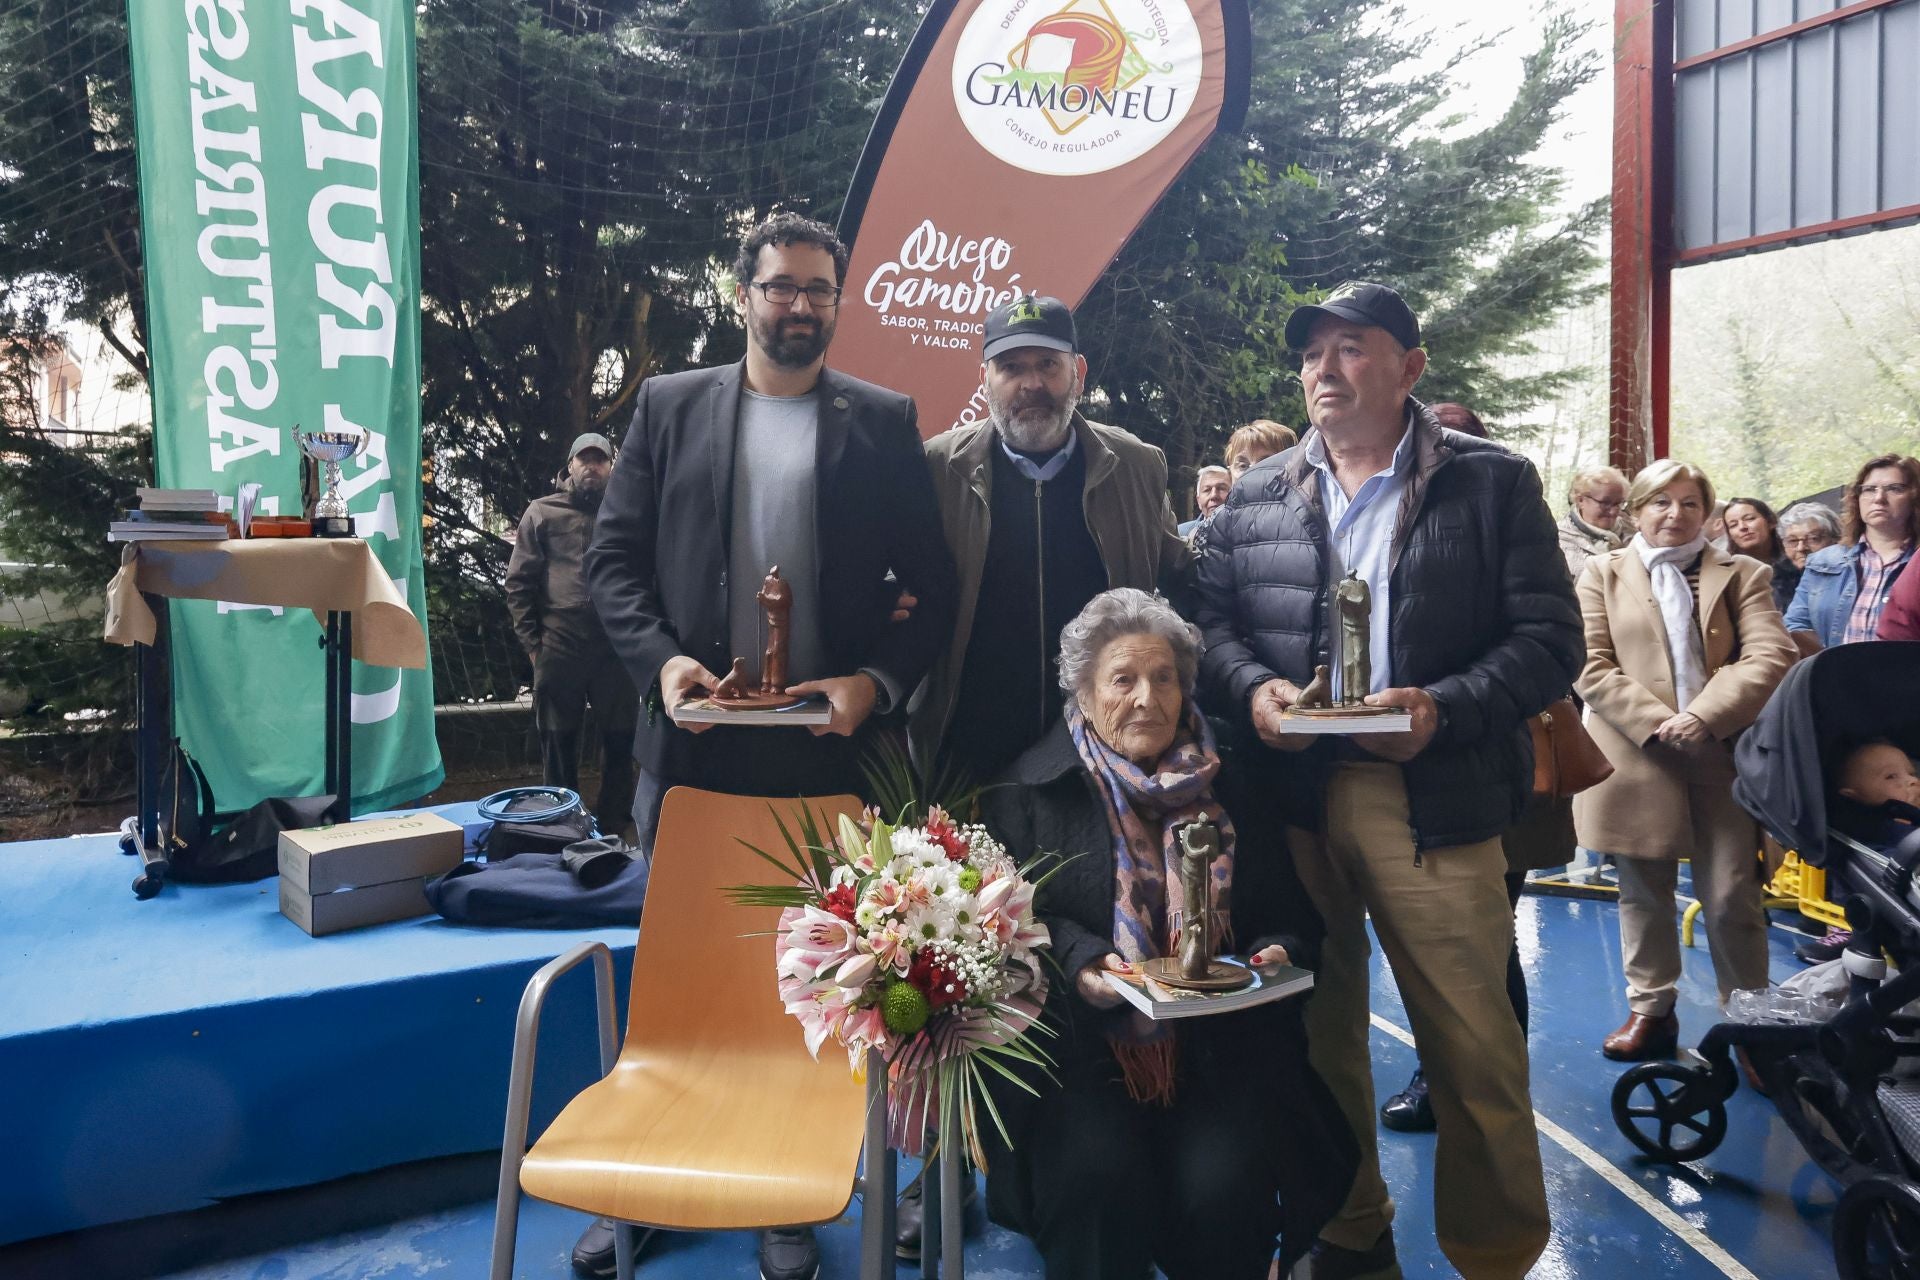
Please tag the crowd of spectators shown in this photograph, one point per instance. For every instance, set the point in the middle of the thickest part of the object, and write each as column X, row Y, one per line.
column 1020, row 600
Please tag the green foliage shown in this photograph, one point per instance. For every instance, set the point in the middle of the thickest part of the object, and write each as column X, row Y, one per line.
column 586, row 171
column 1792, row 367
column 1348, row 167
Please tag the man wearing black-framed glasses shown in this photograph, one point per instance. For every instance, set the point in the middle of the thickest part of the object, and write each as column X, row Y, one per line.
column 725, row 473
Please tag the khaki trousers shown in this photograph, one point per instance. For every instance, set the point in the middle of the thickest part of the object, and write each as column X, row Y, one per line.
column 1726, row 879
column 1446, row 929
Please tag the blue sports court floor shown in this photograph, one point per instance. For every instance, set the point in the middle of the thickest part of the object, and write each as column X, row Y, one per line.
column 1755, row 1208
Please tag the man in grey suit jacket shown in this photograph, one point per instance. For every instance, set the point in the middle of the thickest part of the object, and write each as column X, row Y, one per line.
column 726, row 472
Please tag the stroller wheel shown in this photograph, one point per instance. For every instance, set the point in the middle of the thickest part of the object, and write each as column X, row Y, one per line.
column 1672, row 1112
column 1876, row 1230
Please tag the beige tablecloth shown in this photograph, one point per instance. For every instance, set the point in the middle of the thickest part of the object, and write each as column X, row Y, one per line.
column 321, row 574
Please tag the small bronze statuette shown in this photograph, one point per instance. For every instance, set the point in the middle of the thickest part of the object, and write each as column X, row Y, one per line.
column 736, row 689
column 1192, row 965
column 1353, row 625
column 1355, row 606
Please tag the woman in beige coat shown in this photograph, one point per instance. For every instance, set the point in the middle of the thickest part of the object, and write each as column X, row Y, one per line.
column 1684, row 646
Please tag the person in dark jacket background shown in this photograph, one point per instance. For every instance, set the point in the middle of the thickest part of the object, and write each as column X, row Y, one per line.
column 574, row 666
column 1474, row 629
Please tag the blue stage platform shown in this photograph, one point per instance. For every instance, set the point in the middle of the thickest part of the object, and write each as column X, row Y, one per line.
column 159, row 1056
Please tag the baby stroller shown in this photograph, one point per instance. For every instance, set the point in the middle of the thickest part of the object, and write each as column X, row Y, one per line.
column 1838, row 1084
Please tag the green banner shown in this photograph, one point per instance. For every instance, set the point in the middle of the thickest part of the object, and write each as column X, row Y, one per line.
column 280, row 206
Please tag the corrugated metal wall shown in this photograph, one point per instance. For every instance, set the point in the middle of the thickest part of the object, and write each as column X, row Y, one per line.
column 1804, row 131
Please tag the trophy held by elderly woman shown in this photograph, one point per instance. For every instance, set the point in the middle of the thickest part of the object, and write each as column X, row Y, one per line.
column 1192, row 966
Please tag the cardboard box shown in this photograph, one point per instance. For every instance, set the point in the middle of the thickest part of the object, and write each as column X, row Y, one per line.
column 323, row 913
column 351, row 874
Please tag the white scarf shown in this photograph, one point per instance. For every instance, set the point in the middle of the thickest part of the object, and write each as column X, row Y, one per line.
column 1666, row 565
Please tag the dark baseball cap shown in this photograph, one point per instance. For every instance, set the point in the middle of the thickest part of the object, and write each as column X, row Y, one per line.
column 1032, row 321
column 589, row 440
column 1358, row 302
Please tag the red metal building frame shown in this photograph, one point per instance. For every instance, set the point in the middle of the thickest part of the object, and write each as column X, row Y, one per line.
column 1643, row 216
column 1641, row 325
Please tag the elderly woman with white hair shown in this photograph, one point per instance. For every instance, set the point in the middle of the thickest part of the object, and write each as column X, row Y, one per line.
column 1684, row 646
column 1192, row 1146
column 1805, row 527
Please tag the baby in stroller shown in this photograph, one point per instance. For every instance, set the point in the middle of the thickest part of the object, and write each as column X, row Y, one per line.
column 1825, row 769
column 1876, row 795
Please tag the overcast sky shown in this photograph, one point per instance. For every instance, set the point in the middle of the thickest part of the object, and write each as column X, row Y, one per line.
column 1582, row 143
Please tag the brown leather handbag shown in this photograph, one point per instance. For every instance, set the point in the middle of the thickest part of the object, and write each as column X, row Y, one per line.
column 1566, row 759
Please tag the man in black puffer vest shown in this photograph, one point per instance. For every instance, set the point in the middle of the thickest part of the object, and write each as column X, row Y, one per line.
column 1474, row 628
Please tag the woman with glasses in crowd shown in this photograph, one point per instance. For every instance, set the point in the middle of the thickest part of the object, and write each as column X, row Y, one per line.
column 1805, row 527
column 1845, row 588
column 1594, row 499
column 1261, row 438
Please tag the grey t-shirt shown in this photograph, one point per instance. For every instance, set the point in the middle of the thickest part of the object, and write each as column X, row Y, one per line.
column 773, row 524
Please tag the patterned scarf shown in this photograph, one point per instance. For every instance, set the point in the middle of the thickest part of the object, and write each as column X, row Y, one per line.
column 1144, row 811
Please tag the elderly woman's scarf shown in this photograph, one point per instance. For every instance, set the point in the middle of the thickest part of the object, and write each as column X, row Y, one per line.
column 1667, row 567
column 1144, row 811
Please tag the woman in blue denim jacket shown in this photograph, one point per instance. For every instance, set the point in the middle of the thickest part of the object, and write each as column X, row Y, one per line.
column 1881, row 514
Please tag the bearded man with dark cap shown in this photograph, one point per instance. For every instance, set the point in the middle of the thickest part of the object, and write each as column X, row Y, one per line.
column 574, row 666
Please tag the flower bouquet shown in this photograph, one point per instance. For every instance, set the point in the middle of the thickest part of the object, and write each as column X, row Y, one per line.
column 920, row 942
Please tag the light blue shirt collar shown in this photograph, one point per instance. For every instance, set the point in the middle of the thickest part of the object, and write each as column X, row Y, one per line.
column 1360, row 533
column 1040, row 472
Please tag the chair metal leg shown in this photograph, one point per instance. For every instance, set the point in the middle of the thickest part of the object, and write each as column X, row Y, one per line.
column 953, row 1164
column 932, row 1219
column 623, row 1244
column 877, row 1182
column 526, row 1036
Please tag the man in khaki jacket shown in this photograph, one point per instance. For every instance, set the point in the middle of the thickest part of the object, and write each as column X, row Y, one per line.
column 1043, row 510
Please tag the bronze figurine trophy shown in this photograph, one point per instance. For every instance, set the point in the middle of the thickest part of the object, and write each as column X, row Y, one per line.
column 735, row 689
column 1353, row 615
column 1192, row 966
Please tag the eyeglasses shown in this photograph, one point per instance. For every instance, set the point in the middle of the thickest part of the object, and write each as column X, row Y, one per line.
column 781, row 293
column 1890, row 490
column 1814, row 540
column 1603, row 503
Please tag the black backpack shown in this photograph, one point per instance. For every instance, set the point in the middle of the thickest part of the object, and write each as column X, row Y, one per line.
column 186, row 806
column 249, row 847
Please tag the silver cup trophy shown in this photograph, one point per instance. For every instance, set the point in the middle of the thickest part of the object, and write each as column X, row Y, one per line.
column 330, row 518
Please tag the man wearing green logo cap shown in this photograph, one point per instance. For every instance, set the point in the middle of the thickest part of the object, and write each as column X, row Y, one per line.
column 573, row 663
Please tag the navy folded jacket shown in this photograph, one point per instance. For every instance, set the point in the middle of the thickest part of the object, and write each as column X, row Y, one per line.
column 538, row 891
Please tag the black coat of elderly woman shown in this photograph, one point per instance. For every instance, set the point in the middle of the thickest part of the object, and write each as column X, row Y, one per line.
column 1191, row 1149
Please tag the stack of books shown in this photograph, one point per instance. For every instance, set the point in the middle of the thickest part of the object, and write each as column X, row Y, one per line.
column 172, row 515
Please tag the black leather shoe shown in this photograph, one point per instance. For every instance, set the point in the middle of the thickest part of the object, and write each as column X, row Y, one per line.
column 593, row 1251
column 789, row 1253
column 911, row 1210
column 1409, row 1111
column 1331, row 1262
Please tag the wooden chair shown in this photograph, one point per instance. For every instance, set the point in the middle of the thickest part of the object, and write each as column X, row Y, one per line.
column 712, row 1116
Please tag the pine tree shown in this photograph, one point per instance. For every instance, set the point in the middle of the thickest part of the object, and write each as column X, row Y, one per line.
column 1338, row 174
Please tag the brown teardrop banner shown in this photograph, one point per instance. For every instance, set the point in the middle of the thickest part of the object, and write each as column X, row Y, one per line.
column 1020, row 144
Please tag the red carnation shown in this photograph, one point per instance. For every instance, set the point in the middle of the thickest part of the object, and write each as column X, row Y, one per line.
column 840, row 901
column 938, row 983
column 949, row 840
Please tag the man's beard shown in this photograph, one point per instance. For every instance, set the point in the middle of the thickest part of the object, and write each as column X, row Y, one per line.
column 589, row 488
column 1035, row 422
column 792, row 342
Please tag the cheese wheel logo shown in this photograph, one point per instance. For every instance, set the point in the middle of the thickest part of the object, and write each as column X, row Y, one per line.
column 1077, row 89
